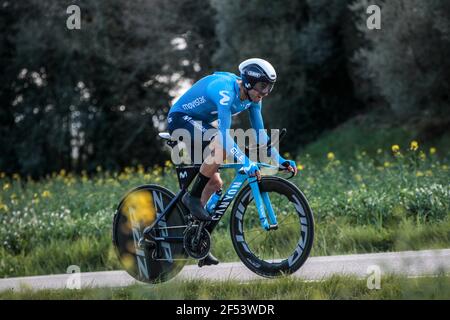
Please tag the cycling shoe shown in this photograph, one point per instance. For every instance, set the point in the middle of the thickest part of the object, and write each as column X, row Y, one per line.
column 195, row 207
column 208, row 261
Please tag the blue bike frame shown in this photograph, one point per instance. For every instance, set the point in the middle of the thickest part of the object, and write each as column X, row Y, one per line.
column 262, row 200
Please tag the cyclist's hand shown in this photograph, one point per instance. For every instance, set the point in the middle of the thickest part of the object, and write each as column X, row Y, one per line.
column 290, row 165
column 252, row 170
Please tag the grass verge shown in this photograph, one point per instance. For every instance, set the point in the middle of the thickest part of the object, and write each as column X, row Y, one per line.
column 332, row 238
column 334, row 288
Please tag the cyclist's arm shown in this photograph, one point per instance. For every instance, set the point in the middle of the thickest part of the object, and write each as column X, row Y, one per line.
column 257, row 123
column 222, row 95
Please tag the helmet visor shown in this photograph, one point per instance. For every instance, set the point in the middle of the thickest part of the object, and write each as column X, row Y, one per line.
column 263, row 87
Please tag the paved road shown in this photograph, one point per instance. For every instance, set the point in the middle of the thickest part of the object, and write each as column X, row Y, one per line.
column 409, row 263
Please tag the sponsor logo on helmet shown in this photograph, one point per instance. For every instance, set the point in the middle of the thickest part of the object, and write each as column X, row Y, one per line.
column 253, row 74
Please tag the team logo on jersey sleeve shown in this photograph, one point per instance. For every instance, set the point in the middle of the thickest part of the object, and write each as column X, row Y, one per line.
column 225, row 97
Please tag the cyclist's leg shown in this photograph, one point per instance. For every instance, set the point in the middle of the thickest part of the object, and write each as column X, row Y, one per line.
column 214, row 184
column 197, row 135
column 209, row 169
column 195, row 131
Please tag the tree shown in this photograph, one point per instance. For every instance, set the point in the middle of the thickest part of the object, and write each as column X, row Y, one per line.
column 304, row 42
column 76, row 99
column 407, row 60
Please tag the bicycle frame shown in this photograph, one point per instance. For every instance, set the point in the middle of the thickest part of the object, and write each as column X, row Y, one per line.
column 185, row 176
column 262, row 200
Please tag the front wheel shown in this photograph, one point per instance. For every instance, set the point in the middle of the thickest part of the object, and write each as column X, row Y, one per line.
column 275, row 252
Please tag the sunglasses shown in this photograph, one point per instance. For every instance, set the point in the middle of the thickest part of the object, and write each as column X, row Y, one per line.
column 263, row 87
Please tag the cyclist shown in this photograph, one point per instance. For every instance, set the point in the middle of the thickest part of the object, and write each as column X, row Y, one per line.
column 218, row 97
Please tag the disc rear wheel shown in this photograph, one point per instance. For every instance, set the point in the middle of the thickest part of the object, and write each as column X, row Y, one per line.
column 155, row 261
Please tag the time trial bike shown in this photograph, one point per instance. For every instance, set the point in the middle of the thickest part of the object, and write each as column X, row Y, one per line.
column 271, row 225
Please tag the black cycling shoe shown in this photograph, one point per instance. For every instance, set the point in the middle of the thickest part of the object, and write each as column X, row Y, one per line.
column 195, row 207
column 208, row 261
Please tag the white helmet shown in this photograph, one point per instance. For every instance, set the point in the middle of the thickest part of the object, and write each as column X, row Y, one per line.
column 258, row 71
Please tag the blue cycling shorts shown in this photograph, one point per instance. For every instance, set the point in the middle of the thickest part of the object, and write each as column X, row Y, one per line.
column 196, row 134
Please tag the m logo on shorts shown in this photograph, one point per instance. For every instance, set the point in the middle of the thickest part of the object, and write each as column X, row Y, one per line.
column 183, row 174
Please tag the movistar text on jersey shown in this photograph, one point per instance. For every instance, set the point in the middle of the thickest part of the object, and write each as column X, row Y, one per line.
column 193, row 104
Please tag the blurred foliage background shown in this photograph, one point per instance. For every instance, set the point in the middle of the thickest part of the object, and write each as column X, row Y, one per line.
column 77, row 99
column 367, row 113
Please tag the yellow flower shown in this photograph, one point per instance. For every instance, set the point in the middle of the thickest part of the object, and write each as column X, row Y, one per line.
column 433, row 150
column 387, row 164
column 358, row 177
column 414, row 145
column 429, row 173
column 422, row 156
column 419, row 174
column 395, row 148
column 46, row 194
column 330, row 156
column 6, row 186
column 445, row 167
column 287, row 155
column 62, row 173
column 16, row 176
column 3, row 207
column 2, row 175
column 168, row 163
column 300, row 167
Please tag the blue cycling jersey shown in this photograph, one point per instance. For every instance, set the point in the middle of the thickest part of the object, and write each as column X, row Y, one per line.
column 217, row 97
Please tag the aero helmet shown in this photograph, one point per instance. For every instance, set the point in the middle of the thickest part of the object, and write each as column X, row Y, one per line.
column 258, row 74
